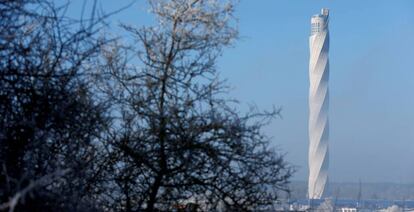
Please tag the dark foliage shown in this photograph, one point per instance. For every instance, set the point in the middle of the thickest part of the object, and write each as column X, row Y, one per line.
column 47, row 117
column 88, row 124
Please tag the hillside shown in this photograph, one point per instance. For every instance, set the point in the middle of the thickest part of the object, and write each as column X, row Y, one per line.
column 387, row 191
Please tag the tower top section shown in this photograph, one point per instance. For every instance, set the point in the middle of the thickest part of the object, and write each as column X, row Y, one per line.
column 325, row 12
column 319, row 22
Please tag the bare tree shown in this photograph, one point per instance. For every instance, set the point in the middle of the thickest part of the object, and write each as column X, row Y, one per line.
column 176, row 137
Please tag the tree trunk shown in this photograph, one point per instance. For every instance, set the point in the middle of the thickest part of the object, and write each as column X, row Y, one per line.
column 154, row 192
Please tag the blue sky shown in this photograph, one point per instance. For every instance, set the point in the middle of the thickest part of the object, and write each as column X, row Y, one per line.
column 371, row 82
column 371, row 79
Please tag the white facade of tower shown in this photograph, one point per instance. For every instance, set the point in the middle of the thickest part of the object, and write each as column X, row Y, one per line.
column 318, row 105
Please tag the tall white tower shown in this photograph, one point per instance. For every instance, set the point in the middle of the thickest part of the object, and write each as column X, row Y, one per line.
column 318, row 105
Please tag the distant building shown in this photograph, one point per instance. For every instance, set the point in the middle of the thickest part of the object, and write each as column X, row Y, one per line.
column 318, row 105
column 345, row 209
column 346, row 205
